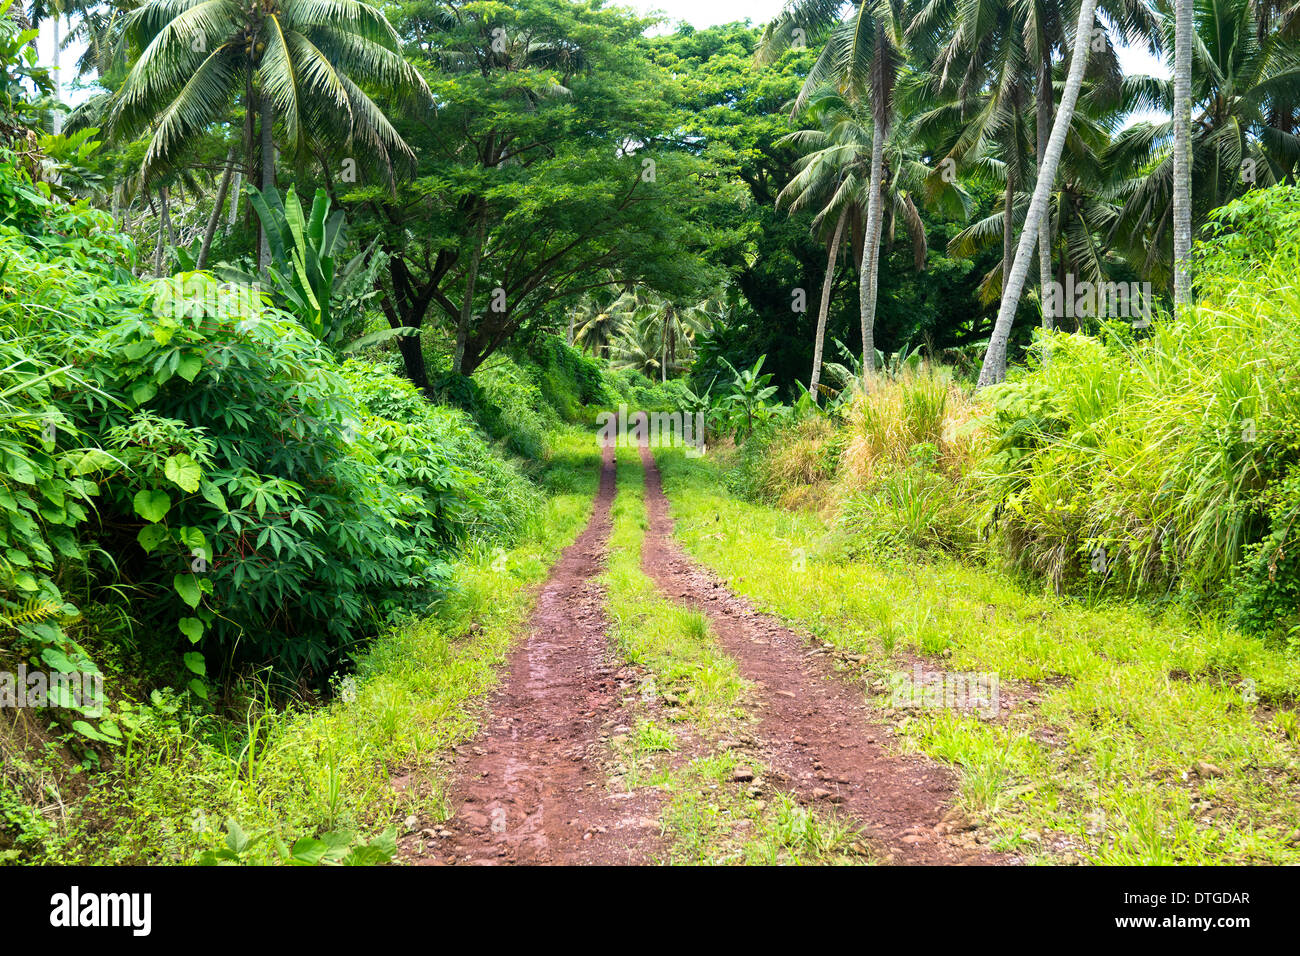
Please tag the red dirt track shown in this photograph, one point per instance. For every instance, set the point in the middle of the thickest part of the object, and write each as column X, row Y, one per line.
column 530, row 788
column 815, row 727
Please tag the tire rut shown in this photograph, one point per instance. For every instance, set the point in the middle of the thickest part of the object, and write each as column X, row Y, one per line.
column 815, row 727
column 531, row 788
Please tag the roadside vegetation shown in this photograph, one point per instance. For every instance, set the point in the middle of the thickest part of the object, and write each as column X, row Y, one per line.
column 1107, row 532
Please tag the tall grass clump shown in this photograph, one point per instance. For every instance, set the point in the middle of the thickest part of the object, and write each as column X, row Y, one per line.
column 1162, row 462
column 888, row 420
column 903, row 478
column 888, row 464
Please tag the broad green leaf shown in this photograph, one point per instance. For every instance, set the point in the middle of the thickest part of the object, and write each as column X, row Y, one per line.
column 189, row 366
column 152, row 504
column 213, row 494
column 187, row 586
column 86, row 730
column 183, row 471
column 93, row 460
column 141, row 392
column 152, row 535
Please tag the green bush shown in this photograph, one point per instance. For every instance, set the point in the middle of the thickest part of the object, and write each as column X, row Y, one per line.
column 504, row 498
column 514, row 411
column 1146, row 463
column 247, row 481
column 245, row 496
column 569, row 380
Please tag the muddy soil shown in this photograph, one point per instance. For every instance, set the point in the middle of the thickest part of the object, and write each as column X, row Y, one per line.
column 815, row 730
column 531, row 788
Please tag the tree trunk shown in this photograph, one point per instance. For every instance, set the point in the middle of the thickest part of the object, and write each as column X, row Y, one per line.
column 222, row 190
column 871, row 249
column 995, row 358
column 164, row 227
column 268, row 177
column 663, row 358
column 825, row 307
column 1182, row 150
column 413, row 360
column 56, row 117
column 467, row 304
column 234, row 202
column 249, row 155
column 1044, row 125
column 171, row 226
column 1008, row 226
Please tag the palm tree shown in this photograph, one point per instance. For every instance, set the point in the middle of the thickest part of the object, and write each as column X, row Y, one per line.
column 298, row 60
column 1182, row 148
column 861, row 59
column 986, row 57
column 595, row 325
column 1183, row 36
column 55, row 11
column 833, row 177
column 1243, row 131
column 995, row 358
column 1091, row 187
column 656, row 334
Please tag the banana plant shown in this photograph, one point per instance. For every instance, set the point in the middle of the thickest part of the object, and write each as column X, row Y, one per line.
column 750, row 390
column 305, row 251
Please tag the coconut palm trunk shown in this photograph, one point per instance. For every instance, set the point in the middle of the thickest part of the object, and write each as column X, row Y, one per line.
column 871, row 248
column 1044, row 124
column 56, row 118
column 995, row 358
column 825, row 307
column 1182, row 150
column 236, row 188
column 268, row 175
column 160, row 260
column 217, row 206
column 1008, row 225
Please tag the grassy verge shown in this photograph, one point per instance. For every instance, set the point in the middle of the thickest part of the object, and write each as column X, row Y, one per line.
column 307, row 772
column 1134, row 738
column 712, row 815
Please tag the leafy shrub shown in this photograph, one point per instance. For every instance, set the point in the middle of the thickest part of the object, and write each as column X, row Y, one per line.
column 1267, row 590
column 514, row 410
column 570, row 380
column 246, row 482
column 504, row 499
column 1148, row 464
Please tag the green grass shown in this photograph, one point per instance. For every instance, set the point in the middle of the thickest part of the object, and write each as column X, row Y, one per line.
column 1115, row 705
column 703, row 700
column 284, row 774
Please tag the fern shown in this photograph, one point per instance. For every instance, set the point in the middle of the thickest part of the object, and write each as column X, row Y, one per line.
column 34, row 610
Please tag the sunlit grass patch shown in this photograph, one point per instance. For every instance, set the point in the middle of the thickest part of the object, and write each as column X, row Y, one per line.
column 1126, row 702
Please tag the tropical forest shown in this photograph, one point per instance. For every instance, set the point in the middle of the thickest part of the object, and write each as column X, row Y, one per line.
column 571, row 432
